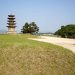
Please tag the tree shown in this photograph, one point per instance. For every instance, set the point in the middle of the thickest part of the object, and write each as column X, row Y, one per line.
column 67, row 31
column 30, row 28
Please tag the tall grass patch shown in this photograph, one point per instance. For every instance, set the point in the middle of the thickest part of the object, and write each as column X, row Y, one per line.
column 21, row 56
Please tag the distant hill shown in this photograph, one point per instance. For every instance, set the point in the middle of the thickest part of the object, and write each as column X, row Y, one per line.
column 47, row 34
column 3, row 31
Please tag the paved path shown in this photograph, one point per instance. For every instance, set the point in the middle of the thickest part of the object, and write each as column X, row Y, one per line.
column 64, row 42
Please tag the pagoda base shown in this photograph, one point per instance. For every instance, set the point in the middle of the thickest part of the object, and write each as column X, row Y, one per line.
column 11, row 32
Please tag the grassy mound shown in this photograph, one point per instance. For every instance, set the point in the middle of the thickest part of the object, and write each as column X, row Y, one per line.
column 21, row 56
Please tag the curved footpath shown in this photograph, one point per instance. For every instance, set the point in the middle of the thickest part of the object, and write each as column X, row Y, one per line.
column 64, row 42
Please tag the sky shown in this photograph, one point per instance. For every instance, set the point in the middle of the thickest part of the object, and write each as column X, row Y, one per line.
column 49, row 15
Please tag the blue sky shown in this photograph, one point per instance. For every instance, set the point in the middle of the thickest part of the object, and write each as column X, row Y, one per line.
column 49, row 15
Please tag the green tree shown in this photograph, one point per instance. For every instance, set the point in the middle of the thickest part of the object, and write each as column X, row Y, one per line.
column 67, row 31
column 30, row 28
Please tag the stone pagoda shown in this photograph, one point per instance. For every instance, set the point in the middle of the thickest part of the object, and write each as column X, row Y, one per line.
column 11, row 24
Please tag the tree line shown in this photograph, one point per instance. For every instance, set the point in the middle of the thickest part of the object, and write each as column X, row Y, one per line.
column 30, row 28
column 67, row 31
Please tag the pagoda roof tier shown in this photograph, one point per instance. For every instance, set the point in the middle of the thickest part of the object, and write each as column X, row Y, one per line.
column 11, row 23
column 11, row 15
column 11, row 26
column 11, row 18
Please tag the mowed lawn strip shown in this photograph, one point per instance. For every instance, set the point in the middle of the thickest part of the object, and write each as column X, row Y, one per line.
column 21, row 56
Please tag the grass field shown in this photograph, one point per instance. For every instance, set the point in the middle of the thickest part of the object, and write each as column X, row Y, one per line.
column 21, row 56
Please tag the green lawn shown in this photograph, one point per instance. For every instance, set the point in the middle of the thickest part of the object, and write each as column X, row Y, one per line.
column 21, row 56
